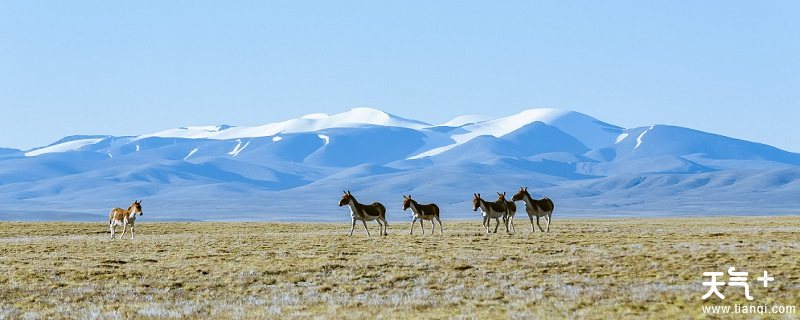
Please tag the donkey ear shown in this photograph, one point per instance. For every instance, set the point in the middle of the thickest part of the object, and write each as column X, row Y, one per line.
column 499, row 194
column 526, row 188
column 348, row 193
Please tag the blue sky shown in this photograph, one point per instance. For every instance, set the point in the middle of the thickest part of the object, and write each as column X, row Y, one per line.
column 132, row 67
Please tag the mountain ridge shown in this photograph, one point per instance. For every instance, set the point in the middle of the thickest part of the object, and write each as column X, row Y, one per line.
column 299, row 166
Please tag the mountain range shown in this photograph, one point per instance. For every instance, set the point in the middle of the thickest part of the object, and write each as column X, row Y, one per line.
column 297, row 169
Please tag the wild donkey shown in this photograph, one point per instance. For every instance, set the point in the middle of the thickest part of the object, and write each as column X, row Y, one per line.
column 512, row 210
column 375, row 211
column 490, row 210
column 119, row 217
column 423, row 212
column 538, row 208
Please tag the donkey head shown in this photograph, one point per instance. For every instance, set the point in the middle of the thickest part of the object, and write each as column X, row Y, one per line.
column 520, row 194
column 346, row 198
column 136, row 207
column 476, row 201
column 501, row 197
column 406, row 202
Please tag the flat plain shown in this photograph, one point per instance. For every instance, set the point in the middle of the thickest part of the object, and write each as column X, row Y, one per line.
column 583, row 268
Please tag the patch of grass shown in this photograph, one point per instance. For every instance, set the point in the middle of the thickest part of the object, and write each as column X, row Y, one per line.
column 611, row 268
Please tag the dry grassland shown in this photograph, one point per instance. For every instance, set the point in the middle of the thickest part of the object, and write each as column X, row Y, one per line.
column 615, row 268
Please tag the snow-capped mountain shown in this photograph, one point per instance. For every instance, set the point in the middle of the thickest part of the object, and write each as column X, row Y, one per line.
column 312, row 122
column 297, row 169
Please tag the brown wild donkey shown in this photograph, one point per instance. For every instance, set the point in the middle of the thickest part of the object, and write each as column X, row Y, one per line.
column 119, row 217
column 538, row 208
column 512, row 210
column 490, row 210
column 375, row 211
column 423, row 212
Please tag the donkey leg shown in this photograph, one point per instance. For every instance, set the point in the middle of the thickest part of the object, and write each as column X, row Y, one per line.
column 412, row 225
column 538, row 225
column 532, row 228
column 111, row 226
column 132, row 230
column 422, row 225
column 124, row 226
column 513, row 228
column 385, row 227
column 486, row 223
column 441, row 228
column 549, row 218
column 496, row 224
column 365, row 227
column 352, row 228
column 433, row 227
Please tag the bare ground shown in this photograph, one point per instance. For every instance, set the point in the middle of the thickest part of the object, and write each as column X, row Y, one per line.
column 615, row 268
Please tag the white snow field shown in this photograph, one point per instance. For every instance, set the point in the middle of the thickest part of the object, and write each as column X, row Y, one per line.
column 73, row 145
column 296, row 169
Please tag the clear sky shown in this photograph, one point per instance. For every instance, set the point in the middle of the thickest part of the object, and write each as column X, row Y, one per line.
column 133, row 67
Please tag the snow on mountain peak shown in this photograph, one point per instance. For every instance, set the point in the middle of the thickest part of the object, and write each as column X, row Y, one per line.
column 314, row 116
column 363, row 115
column 308, row 123
column 501, row 126
column 191, row 132
column 465, row 119
column 360, row 116
column 63, row 147
column 592, row 132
